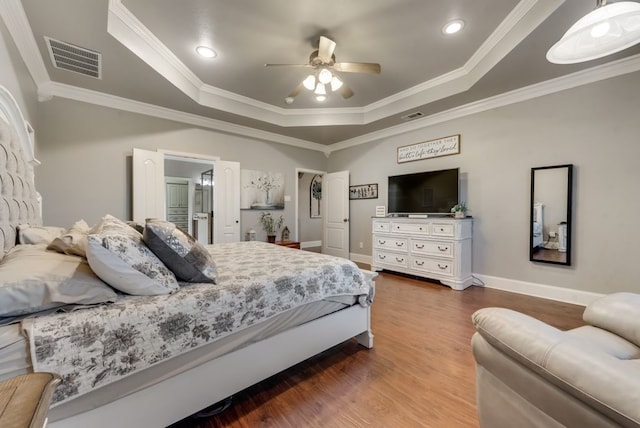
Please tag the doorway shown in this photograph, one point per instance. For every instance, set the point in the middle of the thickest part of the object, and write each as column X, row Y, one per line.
column 184, row 198
column 322, row 225
column 150, row 169
column 309, row 222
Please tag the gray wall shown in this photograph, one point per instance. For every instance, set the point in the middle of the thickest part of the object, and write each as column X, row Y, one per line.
column 86, row 150
column 594, row 127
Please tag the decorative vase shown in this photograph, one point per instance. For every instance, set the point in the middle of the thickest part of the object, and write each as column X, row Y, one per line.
column 459, row 214
column 271, row 239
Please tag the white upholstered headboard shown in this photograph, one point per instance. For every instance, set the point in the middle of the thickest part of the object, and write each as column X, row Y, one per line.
column 18, row 197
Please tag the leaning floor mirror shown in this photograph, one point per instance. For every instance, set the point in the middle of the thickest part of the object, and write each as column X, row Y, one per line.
column 551, row 188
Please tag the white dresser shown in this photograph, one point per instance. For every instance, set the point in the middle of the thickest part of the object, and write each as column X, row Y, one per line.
column 435, row 248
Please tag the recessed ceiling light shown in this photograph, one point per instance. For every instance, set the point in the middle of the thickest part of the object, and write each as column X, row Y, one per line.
column 453, row 27
column 206, row 52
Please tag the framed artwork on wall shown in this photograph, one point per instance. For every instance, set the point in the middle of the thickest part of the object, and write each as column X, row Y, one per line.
column 261, row 190
column 364, row 191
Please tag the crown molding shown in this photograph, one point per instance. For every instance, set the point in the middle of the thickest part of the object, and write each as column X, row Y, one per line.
column 133, row 34
column 54, row 89
column 584, row 77
column 15, row 19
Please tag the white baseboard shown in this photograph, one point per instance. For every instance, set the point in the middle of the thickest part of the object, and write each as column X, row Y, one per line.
column 360, row 258
column 561, row 294
column 309, row 244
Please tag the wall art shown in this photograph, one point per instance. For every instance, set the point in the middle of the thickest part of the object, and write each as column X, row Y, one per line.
column 261, row 190
column 430, row 149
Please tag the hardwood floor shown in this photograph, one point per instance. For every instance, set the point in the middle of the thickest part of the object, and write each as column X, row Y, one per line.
column 420, row 372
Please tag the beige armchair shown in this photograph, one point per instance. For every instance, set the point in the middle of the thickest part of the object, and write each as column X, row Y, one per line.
column 529, row 374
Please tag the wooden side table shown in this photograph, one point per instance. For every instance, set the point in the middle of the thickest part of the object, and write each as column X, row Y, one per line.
column 290, row 244
column 25, row 399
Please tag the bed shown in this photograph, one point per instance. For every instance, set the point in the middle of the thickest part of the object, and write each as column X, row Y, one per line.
column 270, row 308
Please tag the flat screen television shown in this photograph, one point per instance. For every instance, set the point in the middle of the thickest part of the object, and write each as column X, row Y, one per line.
column 430, row 192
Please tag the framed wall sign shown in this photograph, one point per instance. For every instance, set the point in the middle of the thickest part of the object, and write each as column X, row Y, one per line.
column 430, row 149
column 364, row 191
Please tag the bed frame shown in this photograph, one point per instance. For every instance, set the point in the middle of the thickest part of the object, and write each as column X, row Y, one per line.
column 215, row 380
column 177, row 397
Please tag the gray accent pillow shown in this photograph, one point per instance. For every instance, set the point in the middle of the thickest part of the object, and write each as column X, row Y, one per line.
column 33, row 279
column 119, row 256
column 187, row 258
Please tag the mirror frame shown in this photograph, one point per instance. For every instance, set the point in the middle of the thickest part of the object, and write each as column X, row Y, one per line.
column 569, row 220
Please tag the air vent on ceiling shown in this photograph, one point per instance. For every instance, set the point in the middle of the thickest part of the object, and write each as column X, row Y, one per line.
column 412, row 116
column 74, row 58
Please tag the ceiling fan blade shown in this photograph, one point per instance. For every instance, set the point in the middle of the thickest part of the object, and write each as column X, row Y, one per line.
column 346, row 92
column 358, row 67
column 325, row 49
column 287, row 65
column 296, row 91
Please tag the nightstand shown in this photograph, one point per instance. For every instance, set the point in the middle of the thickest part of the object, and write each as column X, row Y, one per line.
column 24, row 400
column 290, row 244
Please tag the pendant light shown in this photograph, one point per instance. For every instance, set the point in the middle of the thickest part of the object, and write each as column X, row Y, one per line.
column 607, row 29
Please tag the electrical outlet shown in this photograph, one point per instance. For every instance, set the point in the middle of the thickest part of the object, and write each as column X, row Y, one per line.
column 361, row 245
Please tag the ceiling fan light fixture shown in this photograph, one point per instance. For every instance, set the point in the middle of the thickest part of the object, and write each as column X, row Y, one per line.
column 605, row 30
column 321, row 98
column 325, row 76
column 453, row 27
column 206, row 52
column 309, row 82
column 335, row 84
column 320, row 90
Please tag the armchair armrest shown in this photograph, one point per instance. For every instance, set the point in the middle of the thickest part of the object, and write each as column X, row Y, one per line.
column 571, row 362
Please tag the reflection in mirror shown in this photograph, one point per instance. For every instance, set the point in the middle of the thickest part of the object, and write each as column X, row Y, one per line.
column 551, row 214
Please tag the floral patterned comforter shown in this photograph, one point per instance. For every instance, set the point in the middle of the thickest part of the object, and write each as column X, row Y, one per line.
column 94, row 347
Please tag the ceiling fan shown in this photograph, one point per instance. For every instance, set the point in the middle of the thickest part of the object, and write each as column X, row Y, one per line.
column 324, row 77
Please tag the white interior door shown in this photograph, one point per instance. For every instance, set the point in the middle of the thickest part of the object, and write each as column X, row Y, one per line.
column 335, row 205
column 226, row 202
column 148, row 185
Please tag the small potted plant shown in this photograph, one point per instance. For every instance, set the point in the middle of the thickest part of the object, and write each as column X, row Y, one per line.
column 459, row 210
column 271, row 225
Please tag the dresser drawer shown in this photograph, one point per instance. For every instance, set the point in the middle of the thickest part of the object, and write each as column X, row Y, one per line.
column 381, row 226
column 391, row 259
column 413, row 228
column 443, row 229
column 390, row 243
column 441, row 267
column 435, row 248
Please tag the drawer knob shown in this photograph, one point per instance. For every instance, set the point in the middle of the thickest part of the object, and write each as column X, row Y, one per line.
column 380, row 256
column 399, row 244
column 443, row 267
column 399, row 259
column 419, row 246
column 442, row 249
column 382, row 242
column 419, row 263
column 441, row 230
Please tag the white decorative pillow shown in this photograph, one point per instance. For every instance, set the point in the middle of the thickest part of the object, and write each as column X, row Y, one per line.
column 34, row 235
column 33, row 279
column 118, row 255
column 187, row 258
column 73, row 241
